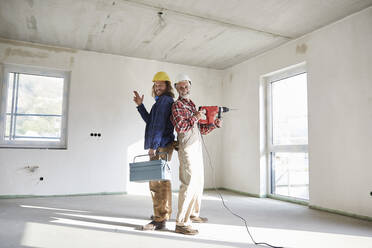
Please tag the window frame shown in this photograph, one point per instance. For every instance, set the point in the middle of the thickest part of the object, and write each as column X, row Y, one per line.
column 25, row 69
column 271, row 148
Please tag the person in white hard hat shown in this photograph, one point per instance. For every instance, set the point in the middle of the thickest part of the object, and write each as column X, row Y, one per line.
column 185, row 120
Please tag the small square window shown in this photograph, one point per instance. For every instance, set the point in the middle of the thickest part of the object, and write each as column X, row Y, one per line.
column 33, row 109
column 290, row 174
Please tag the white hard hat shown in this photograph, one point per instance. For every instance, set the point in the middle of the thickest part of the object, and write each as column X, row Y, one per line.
column 182, row 77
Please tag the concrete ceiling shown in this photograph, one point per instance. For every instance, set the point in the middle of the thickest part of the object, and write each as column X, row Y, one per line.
column 207, row 33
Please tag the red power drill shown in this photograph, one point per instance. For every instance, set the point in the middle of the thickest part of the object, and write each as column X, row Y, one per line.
column 210, row 113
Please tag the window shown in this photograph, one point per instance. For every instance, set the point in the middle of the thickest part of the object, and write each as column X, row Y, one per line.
column 33, row 107
column 288, row 133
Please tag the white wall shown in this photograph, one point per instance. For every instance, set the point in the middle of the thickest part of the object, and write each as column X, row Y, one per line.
column 339, row 66
column 100, row 100
column 339, row 62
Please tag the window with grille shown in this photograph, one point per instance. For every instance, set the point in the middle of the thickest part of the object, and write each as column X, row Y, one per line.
column 288, row 133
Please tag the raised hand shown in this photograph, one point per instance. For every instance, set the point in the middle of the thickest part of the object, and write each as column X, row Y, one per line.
column 137, row 99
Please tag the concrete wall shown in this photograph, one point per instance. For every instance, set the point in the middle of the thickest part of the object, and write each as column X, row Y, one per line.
column 339, row 62
column 100, row 100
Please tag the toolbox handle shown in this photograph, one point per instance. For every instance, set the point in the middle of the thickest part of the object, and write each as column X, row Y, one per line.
column 145, row 155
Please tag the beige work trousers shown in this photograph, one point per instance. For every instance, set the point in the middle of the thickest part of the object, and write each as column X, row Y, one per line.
column 191, row 175
column 161, row 191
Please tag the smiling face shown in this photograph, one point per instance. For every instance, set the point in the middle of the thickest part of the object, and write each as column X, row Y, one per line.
column 183, row 89
column 160, row 87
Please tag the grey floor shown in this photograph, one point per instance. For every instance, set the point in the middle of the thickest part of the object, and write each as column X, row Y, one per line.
column 112, row 221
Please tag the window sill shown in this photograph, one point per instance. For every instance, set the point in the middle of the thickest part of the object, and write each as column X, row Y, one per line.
column 37, row 148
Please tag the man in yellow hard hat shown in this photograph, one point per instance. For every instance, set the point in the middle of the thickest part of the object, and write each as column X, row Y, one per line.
column 159, row 138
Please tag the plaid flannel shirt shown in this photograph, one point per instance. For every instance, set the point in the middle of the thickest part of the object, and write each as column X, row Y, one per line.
column 183, row 117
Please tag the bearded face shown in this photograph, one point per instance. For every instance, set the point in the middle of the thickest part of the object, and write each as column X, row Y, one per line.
column 183, row 89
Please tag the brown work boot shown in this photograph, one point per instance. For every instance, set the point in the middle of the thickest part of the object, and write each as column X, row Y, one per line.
column 198, row 219
column 187, row 230
column 154, row 225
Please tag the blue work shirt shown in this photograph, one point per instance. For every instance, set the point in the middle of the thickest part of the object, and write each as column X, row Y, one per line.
column 159, row 128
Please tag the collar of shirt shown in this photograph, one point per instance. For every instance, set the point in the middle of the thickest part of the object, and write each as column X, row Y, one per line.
column 185, row 100
column 188, row 103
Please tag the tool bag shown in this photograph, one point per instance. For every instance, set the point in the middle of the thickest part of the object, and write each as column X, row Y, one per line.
column 153, row 170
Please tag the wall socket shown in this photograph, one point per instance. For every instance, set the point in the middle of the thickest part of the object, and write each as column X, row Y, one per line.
column 95, row 134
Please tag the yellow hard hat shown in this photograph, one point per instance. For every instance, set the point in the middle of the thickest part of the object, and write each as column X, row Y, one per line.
column 161, row 76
